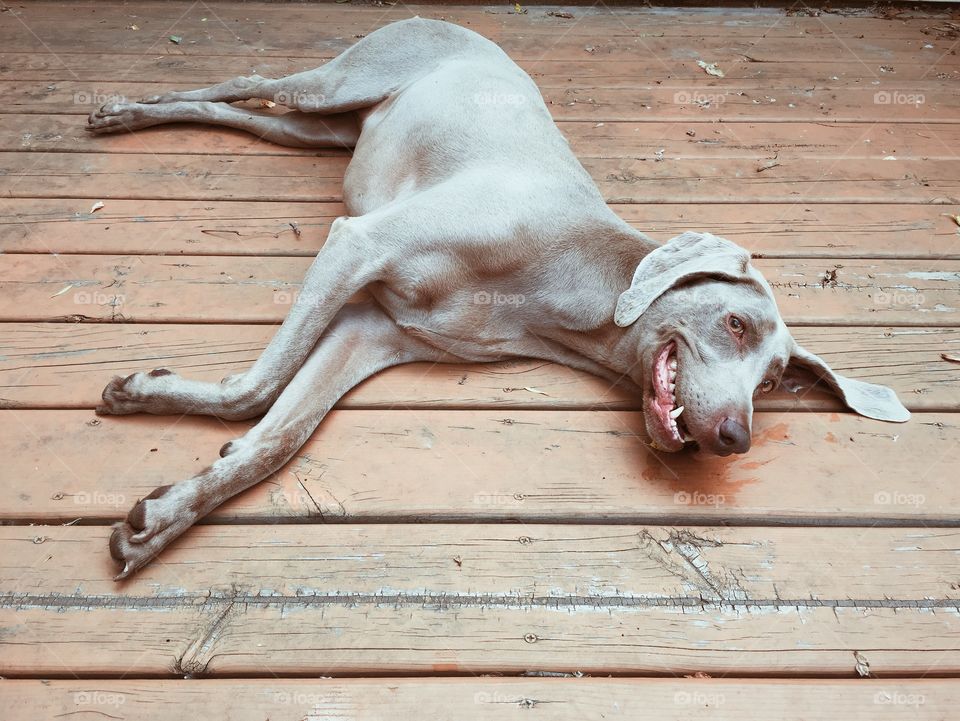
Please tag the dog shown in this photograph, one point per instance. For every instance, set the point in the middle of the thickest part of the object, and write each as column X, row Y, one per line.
column 461, row 186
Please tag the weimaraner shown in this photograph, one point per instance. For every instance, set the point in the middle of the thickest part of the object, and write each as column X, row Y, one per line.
column 480, row 237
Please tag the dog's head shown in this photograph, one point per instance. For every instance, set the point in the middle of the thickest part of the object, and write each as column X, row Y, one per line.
column 711, row 341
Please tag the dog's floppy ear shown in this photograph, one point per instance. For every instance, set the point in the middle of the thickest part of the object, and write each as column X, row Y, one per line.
column 679, row 260
column 867, row 399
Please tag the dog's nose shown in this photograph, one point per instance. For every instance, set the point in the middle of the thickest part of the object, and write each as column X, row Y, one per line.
column 733, row 437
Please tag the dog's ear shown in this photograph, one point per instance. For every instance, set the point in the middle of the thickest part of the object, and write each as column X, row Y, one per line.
column 687, row 257
column 867, row 399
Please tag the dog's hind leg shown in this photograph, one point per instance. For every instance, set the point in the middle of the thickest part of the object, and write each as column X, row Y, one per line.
column 360, row 77
column 294, row 129
column 361, row 341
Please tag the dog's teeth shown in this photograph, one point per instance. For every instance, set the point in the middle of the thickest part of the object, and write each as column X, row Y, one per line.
column 672, row 375
column 675, row 413
column 672, row 365
column 673, row 387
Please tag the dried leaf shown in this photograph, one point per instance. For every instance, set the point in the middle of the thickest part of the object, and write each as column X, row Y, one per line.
column 267, row 103
column 954, row 218
column 175, row 39
column 952, row 357
column 133, row 27
column 519, row 10
column 711, row 69
column 535, row 390
column 96, row 206
column 62, row 291
column 566, row 16
column 296, row 230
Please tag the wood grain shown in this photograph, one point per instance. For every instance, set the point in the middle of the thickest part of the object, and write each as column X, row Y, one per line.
column 198, row 179
column 512, row 598
column 475, row 699
column 470, row 465
column 680, row 100
column 697, row 139
column 794, row 230
column 57, row 365
column 231, row 289
column 173, row 66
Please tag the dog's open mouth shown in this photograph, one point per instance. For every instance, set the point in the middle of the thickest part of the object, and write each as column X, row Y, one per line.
column 671, row 432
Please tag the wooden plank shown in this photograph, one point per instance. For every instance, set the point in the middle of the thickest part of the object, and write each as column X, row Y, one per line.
column 774, row 230
column 746, row 22
column 287, row 31
column 164, row 66
column 507, row 598
column 681, row 100
column 204, row 178
column 783, row 141
column 744, row 566
column 232, row 289
column 189, row 178
column 477, row 465
column 473, row 699
column 57, row 365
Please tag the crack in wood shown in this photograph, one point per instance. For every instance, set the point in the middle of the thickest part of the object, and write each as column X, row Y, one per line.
column 446, row 600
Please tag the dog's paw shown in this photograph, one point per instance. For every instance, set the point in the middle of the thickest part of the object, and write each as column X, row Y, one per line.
column 116, row 117
column 150, row 526
column 132, row 394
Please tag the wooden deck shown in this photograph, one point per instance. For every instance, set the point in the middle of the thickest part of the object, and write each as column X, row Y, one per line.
column 475, row 542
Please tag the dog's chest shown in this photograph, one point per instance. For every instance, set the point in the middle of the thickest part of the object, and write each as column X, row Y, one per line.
column 471, row 324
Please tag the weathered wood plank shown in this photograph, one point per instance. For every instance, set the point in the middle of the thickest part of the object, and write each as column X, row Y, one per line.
column 473, row 699
column 164, row 66
column 660, row 565
column 774, row 230
column 56, row 365
column 225, row 289
column 755, row 141
column 473, row 465
column 510, row 598
column 197, row 179
column 290, row 30
column 690, row 21
column 680, row 100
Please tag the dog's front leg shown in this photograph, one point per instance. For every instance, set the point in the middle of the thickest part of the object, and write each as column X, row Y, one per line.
column 351, row 258
column 361, row 341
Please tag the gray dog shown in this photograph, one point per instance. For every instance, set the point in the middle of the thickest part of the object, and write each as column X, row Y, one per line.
column 462, row 188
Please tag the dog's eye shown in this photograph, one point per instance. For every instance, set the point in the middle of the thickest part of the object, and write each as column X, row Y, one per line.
column 736, row 325
column 767, row 386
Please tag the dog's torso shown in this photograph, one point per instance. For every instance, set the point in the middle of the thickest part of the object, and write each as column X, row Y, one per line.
column 470, row 137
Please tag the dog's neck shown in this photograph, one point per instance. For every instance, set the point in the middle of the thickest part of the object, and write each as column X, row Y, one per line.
column 598, row 340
